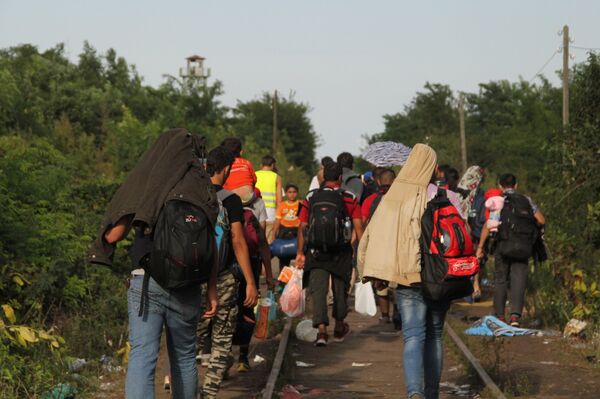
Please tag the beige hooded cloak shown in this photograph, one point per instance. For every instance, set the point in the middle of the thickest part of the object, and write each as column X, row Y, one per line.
column 389, row 248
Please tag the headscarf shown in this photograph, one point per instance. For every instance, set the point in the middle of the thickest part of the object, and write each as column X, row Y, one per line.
column 470, row 182
column 389, row 249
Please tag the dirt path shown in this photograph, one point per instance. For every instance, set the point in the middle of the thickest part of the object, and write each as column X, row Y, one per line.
column 367, row 365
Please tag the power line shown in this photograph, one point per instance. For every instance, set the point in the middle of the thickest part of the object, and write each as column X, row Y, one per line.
column 546, row 64
column 586, row 48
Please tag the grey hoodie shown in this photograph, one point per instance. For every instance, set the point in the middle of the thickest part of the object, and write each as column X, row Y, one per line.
column 352, row 183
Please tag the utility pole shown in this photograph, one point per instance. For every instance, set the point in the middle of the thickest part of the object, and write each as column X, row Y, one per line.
column 463, row 139
column 565, row 76
column 275, row 122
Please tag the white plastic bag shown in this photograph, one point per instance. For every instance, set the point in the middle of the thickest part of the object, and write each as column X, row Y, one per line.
column 306, row 332
column 292, row 298
column 364, row 299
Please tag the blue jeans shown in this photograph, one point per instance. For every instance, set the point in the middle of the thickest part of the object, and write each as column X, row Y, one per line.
column 422, row 328
column 178, row 311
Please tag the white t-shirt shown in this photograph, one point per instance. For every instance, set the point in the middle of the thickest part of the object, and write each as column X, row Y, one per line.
column 314, row 183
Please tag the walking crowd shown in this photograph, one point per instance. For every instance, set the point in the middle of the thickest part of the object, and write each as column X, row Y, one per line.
column 206, row 225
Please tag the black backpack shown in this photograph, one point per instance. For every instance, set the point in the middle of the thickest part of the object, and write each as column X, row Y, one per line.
column 476, row 217
column 184, row 247
column 329, row 226
column 517, row 232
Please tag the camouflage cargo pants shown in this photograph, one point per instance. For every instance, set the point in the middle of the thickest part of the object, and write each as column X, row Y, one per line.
column 221, row 328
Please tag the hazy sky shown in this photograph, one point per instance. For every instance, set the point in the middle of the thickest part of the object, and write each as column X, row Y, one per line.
column 352, row 61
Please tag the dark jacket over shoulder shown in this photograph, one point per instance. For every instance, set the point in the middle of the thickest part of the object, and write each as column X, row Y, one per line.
column 170, row 169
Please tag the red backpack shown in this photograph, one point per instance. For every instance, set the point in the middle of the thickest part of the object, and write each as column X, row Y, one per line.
column 251, row 231
column 447, row 252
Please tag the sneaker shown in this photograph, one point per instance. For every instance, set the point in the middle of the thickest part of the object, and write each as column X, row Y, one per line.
column 243, row 364
column 339, row 336
column 502, row 319
column 515, row 320
column 384, row 320
column 321, row 339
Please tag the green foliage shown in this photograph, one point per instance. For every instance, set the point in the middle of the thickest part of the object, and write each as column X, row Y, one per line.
column 297, row 138
column 69, row 134
column 516, row 127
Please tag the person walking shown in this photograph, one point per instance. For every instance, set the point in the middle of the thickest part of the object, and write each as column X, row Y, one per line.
column 255, row 216
column 329, row 217
column 473, row 205
column 351, row 180
column 270, row 185
column 287, row 221
column 233, row 254
column 169, row 170
column 520, row 224
column 384, row 179
column 390, row 251
column 242, row 178
column 317, row 179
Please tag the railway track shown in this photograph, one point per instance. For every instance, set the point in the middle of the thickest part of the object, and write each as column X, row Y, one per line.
column 269, row 391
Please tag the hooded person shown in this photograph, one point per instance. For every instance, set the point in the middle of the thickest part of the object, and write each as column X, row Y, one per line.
column 170, row 168
column 469, row 183
column 390, row 250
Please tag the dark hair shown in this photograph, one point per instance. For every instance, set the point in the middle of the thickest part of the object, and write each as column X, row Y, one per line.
column 346, row 160
column 452, row 178
column 443, row 168
column 234, row 145
column 218, row 159
column 508, row 180
column 291, row 185
column 387, row 176
column 268, row 160
column 326, row 160
column 377, row 171
column 332, row 172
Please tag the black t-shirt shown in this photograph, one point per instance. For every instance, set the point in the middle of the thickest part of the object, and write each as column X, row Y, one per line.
column 235, row 213
column 233, row 205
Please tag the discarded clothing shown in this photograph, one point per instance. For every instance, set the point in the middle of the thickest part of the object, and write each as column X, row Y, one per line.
column 491, row 326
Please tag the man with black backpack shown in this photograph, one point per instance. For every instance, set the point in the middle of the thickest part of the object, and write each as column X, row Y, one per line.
column 169, row 200
column 520, row 223
column 234, row 266
column 329, row 217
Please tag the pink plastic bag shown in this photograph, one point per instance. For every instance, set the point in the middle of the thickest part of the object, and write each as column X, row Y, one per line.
column 292, row 298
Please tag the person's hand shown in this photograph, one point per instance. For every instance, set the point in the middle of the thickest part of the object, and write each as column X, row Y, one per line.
column 212, row 310
column 479, row 253
column 271, row 284
column 300, row 260
column 251, row 296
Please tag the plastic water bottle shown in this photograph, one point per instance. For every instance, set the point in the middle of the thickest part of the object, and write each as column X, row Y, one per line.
column 348, row 229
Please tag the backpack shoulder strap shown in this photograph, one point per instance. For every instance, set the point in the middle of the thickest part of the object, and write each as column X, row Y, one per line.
column 351, row 177
column 224, row 194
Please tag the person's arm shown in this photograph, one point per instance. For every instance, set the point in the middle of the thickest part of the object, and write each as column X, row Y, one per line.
column 278, row 191
column 265, row 256
column 300, row 257
column 275, row 229
column 358, row 227
column 240, row 249
column 485, row 232
column 539, row 218
column 213, row 300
